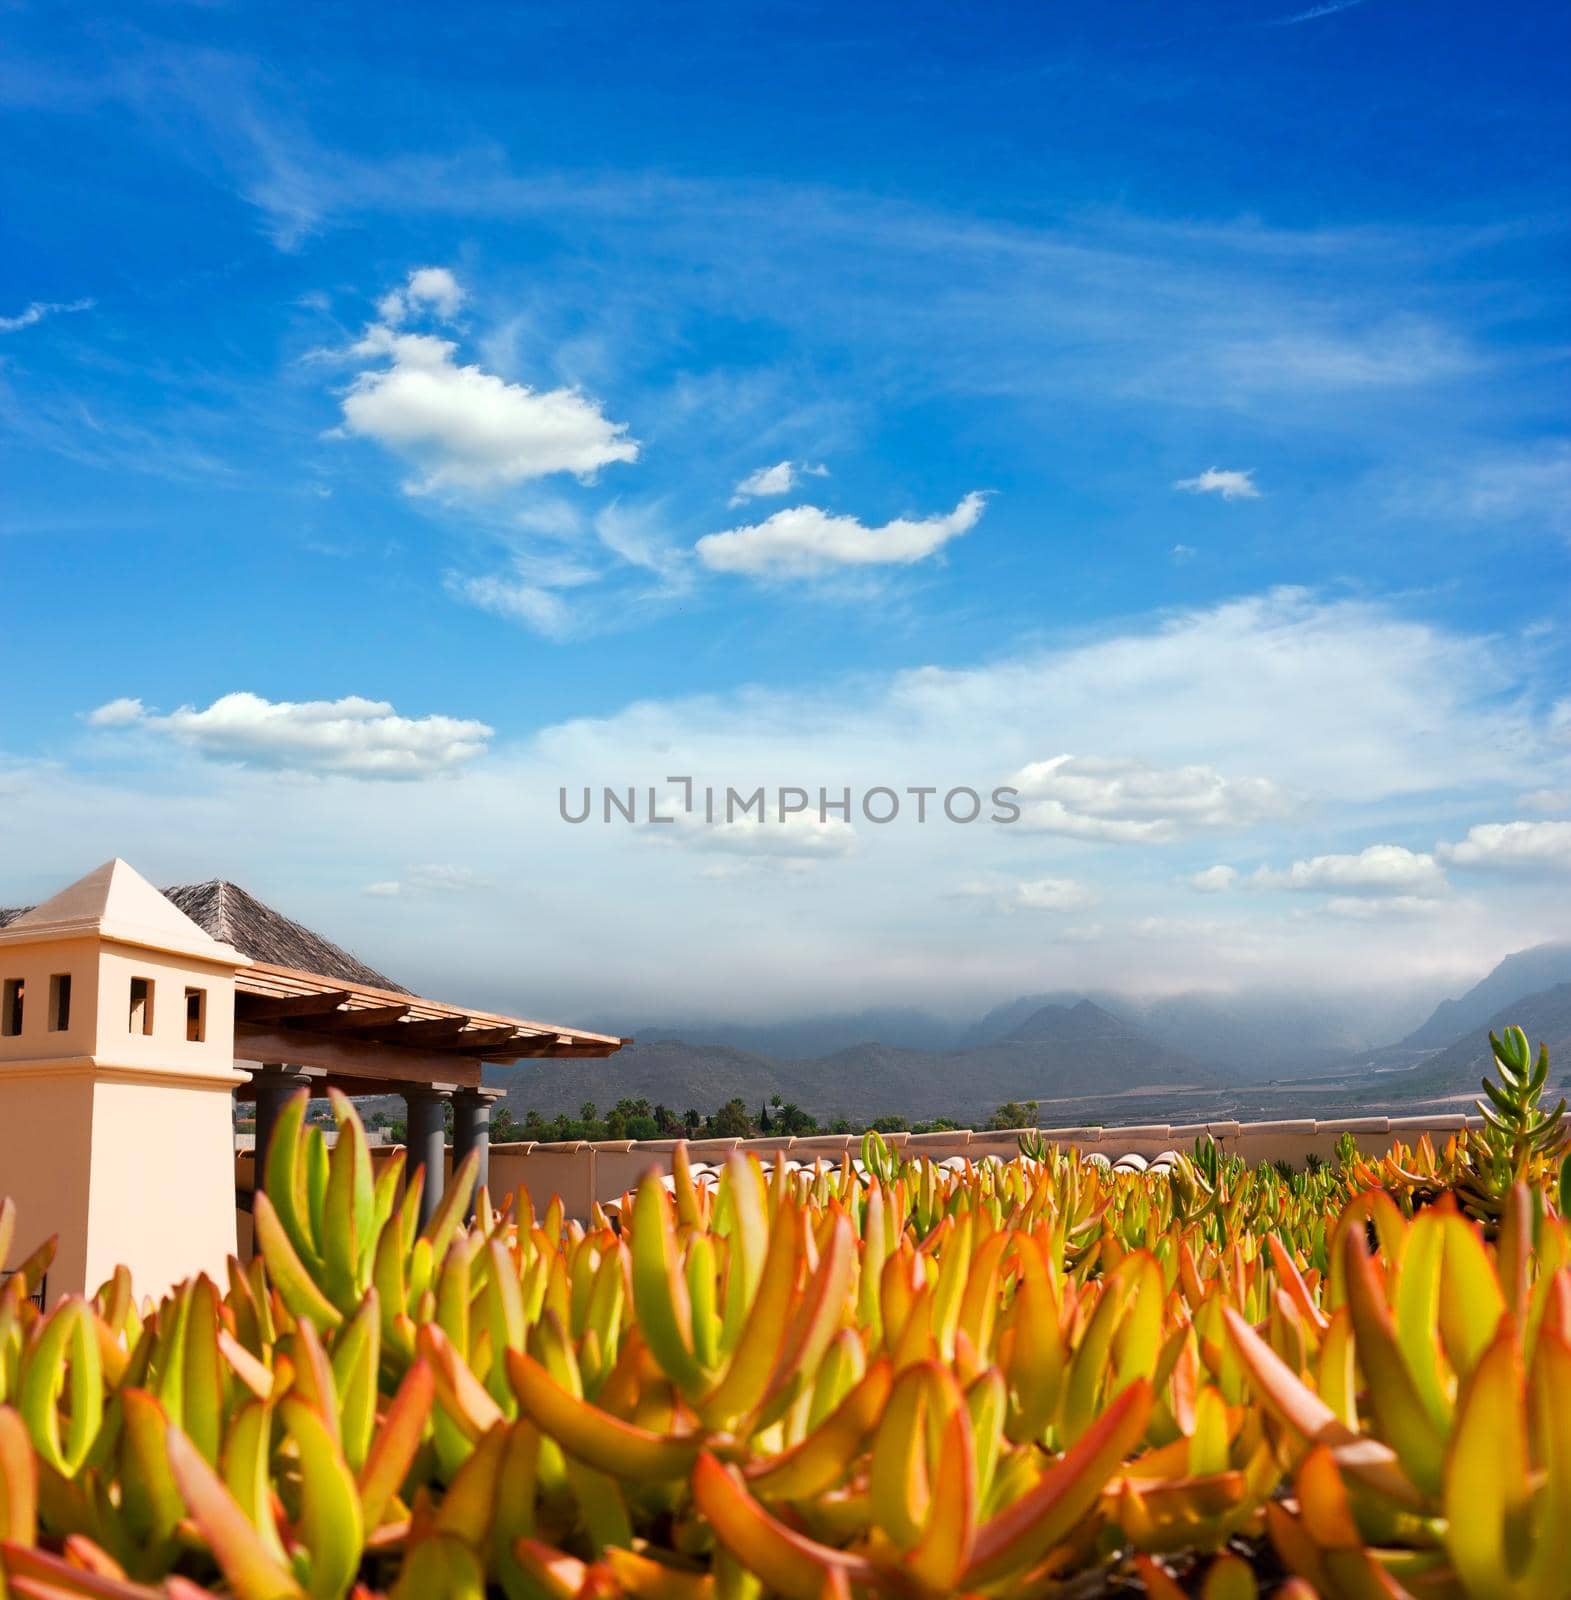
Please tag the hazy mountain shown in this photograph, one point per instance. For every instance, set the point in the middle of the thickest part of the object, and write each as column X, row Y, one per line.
column 1254, row 1035
column 1056, row 1053
column 806, row 1037
column 1528, row 972
column 1545, row 1018
column 664, row 1072
column 1079, row 1054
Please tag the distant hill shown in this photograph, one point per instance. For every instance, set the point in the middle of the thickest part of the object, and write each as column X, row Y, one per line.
column 904, row 1026
column 1545, row 1018
column 1254, row 1035
column 1054, row 1053
column 664, row 1072
column 1527, row 972
column 1080, row 1054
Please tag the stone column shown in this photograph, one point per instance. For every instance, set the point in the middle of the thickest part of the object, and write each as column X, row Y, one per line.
column 274, row 1083
column 426, row 1139
column 472, row 1130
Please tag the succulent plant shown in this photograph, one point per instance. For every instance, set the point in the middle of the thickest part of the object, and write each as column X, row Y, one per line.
column 882, row 1379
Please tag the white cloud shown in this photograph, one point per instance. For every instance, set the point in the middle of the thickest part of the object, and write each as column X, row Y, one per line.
column 805, row 542
column 1354, row 708
column 429, row 879
column 1214, row 880
column 516, row 599
column 636, row 535
column 1546, row 800
column 352, row 737
column 1508, row 845
column 1401, row 353
column 635, row 564
column 1183, row 554
column 463, row 427
column 1370, row 908
column 1031, row 894
column 119, row 713
column 1330, row 8
column 1379, row 869
column 434, row 288
column 1167, row 928
column 1231, row 485
column 38, row 310
column 781, row 478
column 799, row 839
column 1123, row 801
column 1530, row 486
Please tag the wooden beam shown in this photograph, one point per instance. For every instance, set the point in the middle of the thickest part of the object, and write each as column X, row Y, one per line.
column 535, row 1050
column 360, row 1087
column 354, row 1058
column 478, row 1040
column 423, row 1030
column 266, row 981
column 272, row 1008
column 364, row 1020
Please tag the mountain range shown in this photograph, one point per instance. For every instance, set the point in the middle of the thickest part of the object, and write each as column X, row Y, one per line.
column 1104, row 1058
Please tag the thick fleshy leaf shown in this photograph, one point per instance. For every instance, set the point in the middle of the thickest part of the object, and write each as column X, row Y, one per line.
column 659, row 1289
column 944, row 1550
column 295, row 1284
column 18, row 1480
column 788, row 1562
column 253, row 1572
column 440, row 1568
column 356, row 1360
column 40, row 1575
column 1308, row 1416
column 1486, row 1472
column 330, row 1526
column 825, row 1456
column 593, row 1436
column 64, row 1358
column 395, row 1443
column 1400, row 1413
column 284, row 1181
column 247, row 1461
column 463, row 1397
column 1026, row 1530
column 150, row 1495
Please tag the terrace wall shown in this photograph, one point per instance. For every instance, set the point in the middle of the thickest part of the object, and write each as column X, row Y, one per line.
column 584, row 1172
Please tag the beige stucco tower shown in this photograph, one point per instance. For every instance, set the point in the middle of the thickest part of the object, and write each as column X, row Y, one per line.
column 116, row 1077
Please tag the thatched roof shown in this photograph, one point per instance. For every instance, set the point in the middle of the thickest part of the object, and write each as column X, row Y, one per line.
column 236, row 918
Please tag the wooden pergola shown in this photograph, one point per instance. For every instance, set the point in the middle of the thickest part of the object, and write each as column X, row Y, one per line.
column 308, row 1030
column 366, row 1040
column 311, row 1015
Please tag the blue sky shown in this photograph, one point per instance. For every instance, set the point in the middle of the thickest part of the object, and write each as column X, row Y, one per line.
column 1166, row 404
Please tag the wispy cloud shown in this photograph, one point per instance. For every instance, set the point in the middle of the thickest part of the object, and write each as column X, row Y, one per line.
column 434, row 878
column 466, row 428
column 352, row 737
column 779, row 479
column 1229, row 484
column 1315, row 13
column 805, row 542
column 1378, row 869
column 1123, row 801
column 1512, row 846
column 39, row 309
column 1058, row 895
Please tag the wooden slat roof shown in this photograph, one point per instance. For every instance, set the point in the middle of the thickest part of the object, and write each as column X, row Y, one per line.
column 322, row 1003
column 305, row 998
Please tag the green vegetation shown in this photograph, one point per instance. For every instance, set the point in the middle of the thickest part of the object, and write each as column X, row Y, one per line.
column 1030, row 1378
